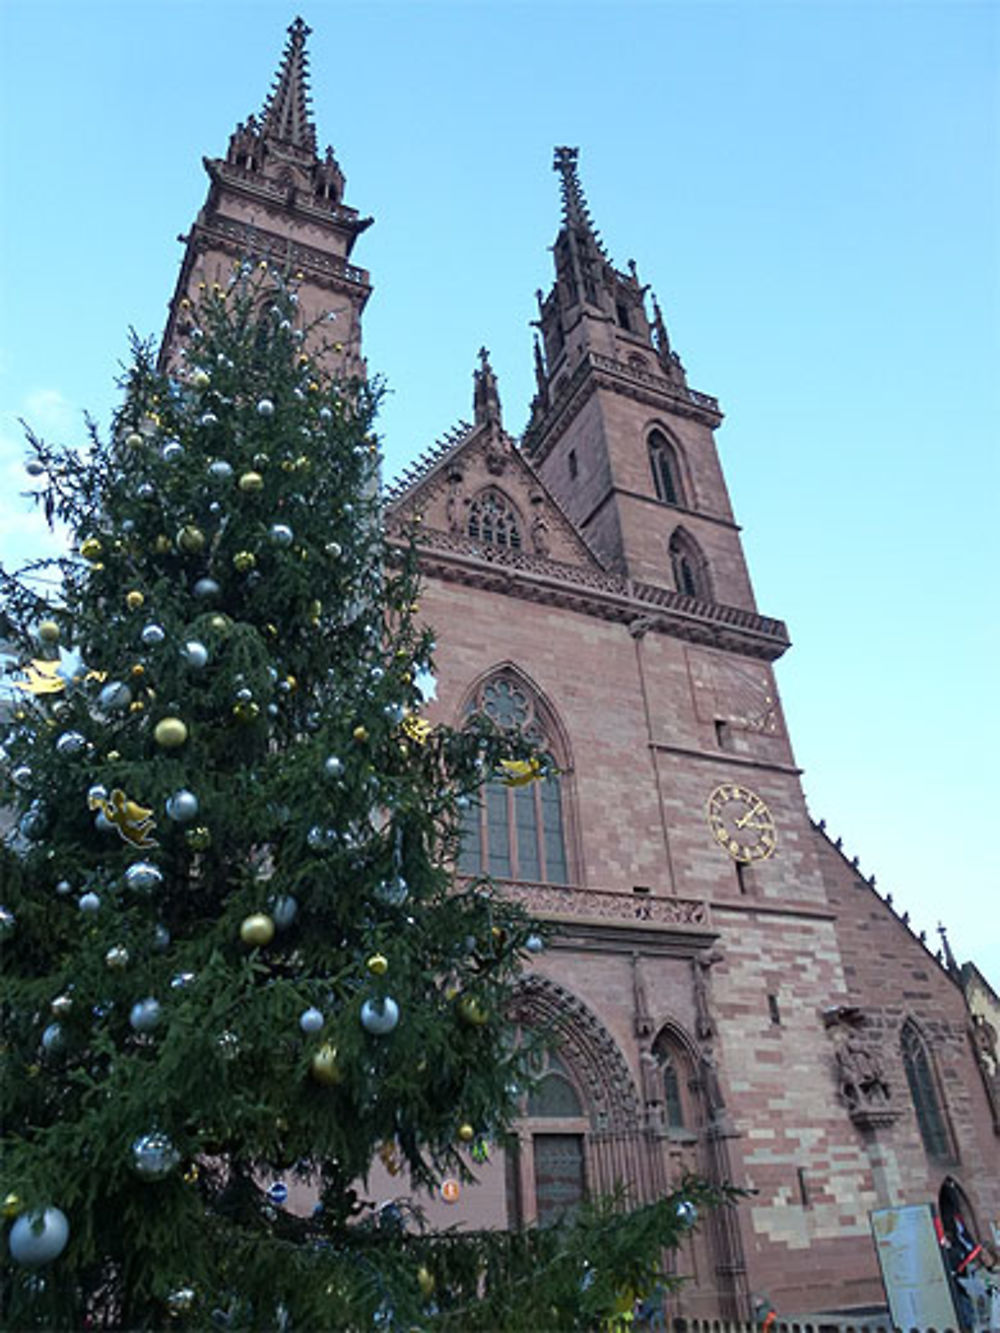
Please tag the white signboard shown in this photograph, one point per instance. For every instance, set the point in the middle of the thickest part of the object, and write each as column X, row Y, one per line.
column 913, row 1267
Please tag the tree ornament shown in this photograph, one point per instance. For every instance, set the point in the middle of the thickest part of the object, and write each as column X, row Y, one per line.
column 534, row 944
column 687, row 1213
column 182, row 806
column 34, row 822
column 246, row 710
column 206, row 589
column 334, row 550
column 195, row 654
column 154, row 1156
column 180, row 1301
column 199, row 839
column 257, row 930
column 379, row 1015
column 426, row 1282
column 152, row 635
column 22, row 777
column 145, row 1015
column 134, row 822
column 173, row 451
column 265, row 408
column 115, row 697
column 251, row 482
column 284, row 911
column 466, row 1133
column 393, row 892
column 200, row 379
column 134, row 599
column 7, row 923
column 244, row 561
column 91, row 548
column 54, row 1039
column 324, row 1068
column 471, row 1012
column 143, row 876
column 170, row 733
column 70, row 743
column 117, row 957
column 281, row 534
column 311, row 1020
column 89, row 903
column 38, row 1237
column 190, row 539
column 181, row 980
column 360, row 734
column 48, row 631
column 11, row 1205
column 63, row 887
column 161, row 938
column 145, row 490
column 220, row 469
column 377, row 965
column 43, row 677
column 333, row 767
column 134, row 440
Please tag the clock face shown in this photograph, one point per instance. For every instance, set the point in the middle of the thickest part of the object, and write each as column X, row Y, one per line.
column 741, row 822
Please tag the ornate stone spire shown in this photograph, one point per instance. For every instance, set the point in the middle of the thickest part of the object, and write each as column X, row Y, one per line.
column 576, row 214
column 485, row 398
column 286, row 115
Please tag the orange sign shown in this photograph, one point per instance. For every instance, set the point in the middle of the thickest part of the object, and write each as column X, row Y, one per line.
column 450, row 1190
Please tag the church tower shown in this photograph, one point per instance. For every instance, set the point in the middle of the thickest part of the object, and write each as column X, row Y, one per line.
column 616, row 433
column 272, row 198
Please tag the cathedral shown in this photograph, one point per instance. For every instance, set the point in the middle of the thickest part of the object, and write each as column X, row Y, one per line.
column 734, row 998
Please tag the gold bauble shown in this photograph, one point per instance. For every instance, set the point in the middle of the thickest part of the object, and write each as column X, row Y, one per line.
column 425, row 1281
column 199, row 379
column 137, row 706
column 257, row 930
column 247, row 710
column 138, row 669
column 48, row 631
column 360, row 734
column 291, row 682
column 134, row 599
column 198, row 838
column 134, row 440
column 113, row 756
column 471, row 1012
column 244, row 561
column 170, row 732
column 91, row 548
column 378, row 965
column 162, row 545
column 324, row 1068
column 11, row 1205
column 251, row 481
column 190, row 539
column 466, row 1133
column 219, row 623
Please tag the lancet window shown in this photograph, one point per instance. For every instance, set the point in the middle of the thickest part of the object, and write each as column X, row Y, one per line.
column 666, row 469
column 494, row 520
column 926, row 1094
column 690, row 568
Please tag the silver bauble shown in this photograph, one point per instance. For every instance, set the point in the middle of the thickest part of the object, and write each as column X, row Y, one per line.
column 206, row 589
column 32, row 823
column 114, row 697
column 161, row 938
column 195, row 654
column 53, row 1039
column 220, row 469
column 334, row 550
column 208, row 419
column 154, row 1156
column 534, row 944
column 7, row 923
column 180, row 1300
column 333, row 767
column 172, row 451
column 152, row 635
column 70, row 743
column 281, row 534
column 182, row 806
column 311, row 1020
column 117, row 957
column 181, row 980
column 284, row 911
column 98, row 792
column 62, row 1005
column 145, row 491
column 34, row 468
column 89, row 902
column 687, row 1213
column 143, row 876
column 265, row 408
column 145, row 1015
column 38, row 1237
column 393, row 892
column 21, row 777
column 380, row 1016
column 63, row 887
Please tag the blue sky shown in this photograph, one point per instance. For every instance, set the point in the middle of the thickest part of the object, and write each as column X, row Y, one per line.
column 810, row 188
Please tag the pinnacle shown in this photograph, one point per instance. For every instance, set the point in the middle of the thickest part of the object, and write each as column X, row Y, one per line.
column 576, row 214
column 286, row 115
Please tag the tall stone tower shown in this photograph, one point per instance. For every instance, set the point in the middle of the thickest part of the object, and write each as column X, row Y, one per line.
column 273, row 198
column 616, row 432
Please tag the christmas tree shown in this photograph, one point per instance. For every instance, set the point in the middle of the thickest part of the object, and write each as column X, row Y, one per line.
column 234, row 949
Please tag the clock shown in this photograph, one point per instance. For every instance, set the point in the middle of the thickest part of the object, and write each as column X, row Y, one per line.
column 741, row 822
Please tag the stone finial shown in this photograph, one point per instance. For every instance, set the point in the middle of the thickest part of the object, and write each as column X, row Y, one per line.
column 286, row 115
column 486, row 397
column 576, row 214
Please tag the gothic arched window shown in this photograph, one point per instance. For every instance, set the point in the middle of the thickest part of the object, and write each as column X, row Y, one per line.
column 494, row 521
column 926, row 1095
column 676, row 1076
column 666, row 470
column 517, row 832
column 690, row 568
